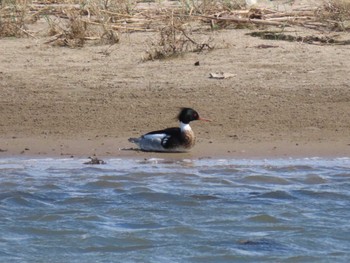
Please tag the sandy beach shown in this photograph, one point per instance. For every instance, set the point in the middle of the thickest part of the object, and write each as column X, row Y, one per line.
column 285, row 99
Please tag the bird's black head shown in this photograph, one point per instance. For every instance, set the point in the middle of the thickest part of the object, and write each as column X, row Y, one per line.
column 187, row 115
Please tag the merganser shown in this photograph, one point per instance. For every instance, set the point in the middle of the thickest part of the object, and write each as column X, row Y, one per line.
column 175, row 139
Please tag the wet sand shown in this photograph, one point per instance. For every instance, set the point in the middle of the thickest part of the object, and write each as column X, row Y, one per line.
column 120, row 148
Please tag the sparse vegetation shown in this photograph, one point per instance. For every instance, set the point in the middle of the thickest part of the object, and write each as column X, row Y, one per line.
column 175, row 38
column 335, row 13
column 73, row 23
column 208, row 7
column 76, row 31
column 12, row 19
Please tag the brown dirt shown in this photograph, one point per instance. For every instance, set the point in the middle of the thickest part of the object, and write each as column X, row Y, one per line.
column 291, row 99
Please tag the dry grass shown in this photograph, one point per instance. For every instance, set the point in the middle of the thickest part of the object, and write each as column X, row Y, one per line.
column 208, row 7
column 72, row 34
column 76, row 20
column 335, row 13
column 175, row 38
column 12, row 19
column 69, row 24
column 76, row 30
column 74, row 23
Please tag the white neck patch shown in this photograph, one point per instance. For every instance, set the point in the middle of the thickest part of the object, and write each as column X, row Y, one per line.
column 185, row 127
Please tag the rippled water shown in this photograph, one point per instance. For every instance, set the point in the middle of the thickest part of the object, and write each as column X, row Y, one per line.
column 210, row 210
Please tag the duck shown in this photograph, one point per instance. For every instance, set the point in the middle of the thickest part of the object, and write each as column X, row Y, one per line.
column 175, row 139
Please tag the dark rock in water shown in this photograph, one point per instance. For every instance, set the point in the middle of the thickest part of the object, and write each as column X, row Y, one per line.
column 95, row 160
column 261, row 244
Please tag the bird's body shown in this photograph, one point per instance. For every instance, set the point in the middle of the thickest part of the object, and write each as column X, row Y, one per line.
column 177, row 139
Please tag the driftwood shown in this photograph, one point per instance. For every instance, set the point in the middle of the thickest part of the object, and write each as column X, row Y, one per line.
column 141, row 19
column 149, row 18
column 244, row 20
column 309, row 18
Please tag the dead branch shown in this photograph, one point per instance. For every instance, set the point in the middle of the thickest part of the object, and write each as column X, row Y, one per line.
column 244, row 20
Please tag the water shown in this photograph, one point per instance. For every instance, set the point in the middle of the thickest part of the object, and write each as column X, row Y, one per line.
column 210, row 210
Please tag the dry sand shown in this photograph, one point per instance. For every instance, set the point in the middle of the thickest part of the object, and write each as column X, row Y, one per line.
column 292, row 99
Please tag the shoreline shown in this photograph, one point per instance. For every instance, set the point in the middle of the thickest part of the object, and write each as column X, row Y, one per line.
column 121, row 148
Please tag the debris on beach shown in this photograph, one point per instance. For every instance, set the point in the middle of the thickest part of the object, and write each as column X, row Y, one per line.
column 72, row 24
column 221, row 75
column 265, row 46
